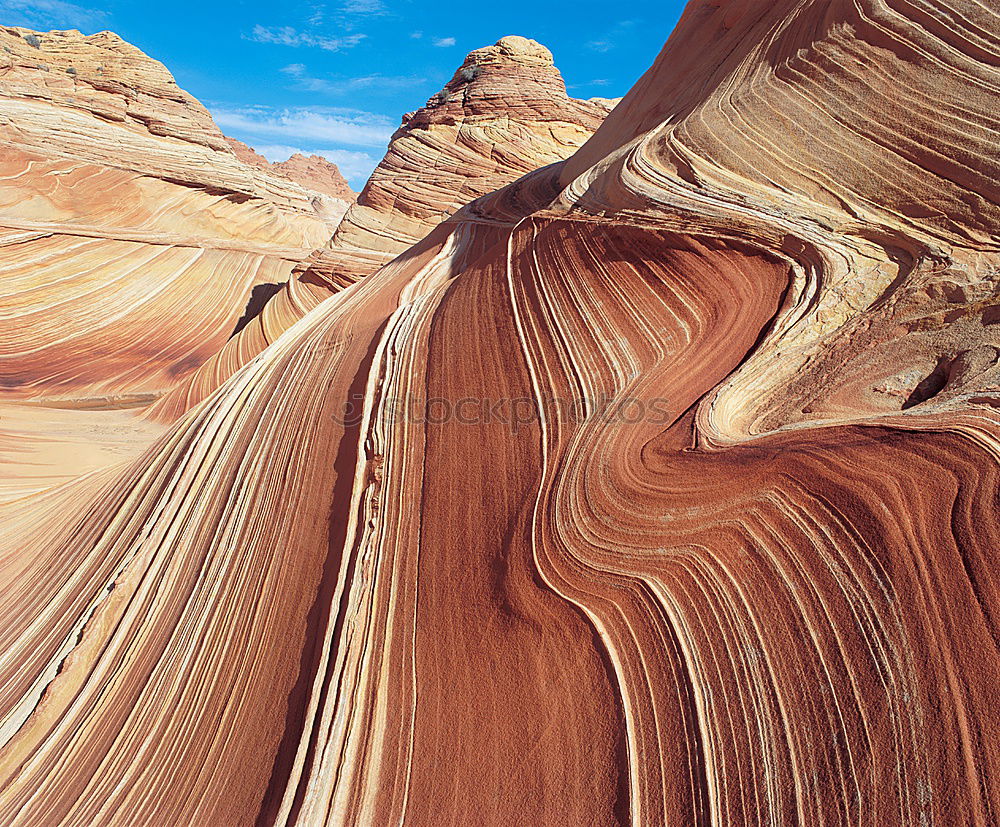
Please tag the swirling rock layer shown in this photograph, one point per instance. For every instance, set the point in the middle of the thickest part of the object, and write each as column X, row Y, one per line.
column 619, row 498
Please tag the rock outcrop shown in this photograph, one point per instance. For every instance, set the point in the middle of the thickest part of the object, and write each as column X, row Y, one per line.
column 503, row 114
column 131, row 235
column 318, row 173
column 315, row 172
column 657, row 487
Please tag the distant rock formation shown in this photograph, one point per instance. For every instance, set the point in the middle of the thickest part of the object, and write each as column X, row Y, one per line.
column 247, row 154
column 503, row 114
column 318, row 173
column 315, row 172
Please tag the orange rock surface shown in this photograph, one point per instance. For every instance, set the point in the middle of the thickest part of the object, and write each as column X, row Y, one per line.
column 132, row 242
column 657, row 487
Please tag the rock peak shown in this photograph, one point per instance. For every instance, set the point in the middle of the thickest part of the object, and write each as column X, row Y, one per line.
column 513, row 60
column 511, row 49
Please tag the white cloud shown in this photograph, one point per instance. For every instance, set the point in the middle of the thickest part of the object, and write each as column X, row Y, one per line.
column 278, row 152
column 416, row 35
column 585, row 84
column 296, row 70
column 289, row 36
column 363, row 7
column 444, row 41
column 51, row 14
column 610, row 39
column 317, row 15
column 342, row 126
column 354, row 166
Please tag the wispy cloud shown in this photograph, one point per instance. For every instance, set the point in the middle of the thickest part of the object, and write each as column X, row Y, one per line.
column 339, row 85
column 355, row 166
column 316, row 14
column 416, row 35
column 327, row 124
column 610, row 39
column 444, row 41
column 586, row 83
column 351, row 13
column 363, row 7
column 51, row 14
column 289, row 36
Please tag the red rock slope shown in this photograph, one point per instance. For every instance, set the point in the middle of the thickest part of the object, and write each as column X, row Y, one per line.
column 623, row 497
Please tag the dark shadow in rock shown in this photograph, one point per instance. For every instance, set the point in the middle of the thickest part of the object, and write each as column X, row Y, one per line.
column 259, row 296
column 932, row 385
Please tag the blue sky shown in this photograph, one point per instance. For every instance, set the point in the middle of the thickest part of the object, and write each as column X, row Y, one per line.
column 334, row 77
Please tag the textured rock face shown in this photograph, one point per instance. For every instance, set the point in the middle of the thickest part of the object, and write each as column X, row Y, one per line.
column 64, row 91
column 132, row 235
column 503, row 114
column 658, row 487
column 99, row 99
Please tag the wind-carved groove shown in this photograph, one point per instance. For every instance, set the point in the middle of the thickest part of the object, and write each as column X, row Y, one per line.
column 345, row 463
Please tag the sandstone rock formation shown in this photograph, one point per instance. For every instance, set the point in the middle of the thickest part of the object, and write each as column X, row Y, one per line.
column 315, row 172
column 318, row 173
column 131, row 235
column 503, row 114
column 657, row 487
